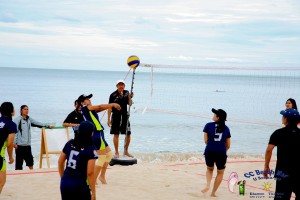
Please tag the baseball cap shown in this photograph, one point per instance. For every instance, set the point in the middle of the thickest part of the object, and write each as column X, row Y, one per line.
column 290, row 113
column 220, row 113
column 83, row 97
column 120, row 81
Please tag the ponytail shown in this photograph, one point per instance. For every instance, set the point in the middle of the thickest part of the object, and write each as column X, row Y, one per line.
column 220, row 126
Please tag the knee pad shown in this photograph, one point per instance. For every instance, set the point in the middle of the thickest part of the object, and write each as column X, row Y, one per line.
column 101, row 160
column 109, row 156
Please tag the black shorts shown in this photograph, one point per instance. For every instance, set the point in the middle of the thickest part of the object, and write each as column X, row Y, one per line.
column 23, row 153
column 285, row 187
column 119, row 125
column 212, row 158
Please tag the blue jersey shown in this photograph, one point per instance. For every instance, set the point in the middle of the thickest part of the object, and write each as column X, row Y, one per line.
column 74, row 184
column 7, row 126
column 77, row 160
column 92, row 116
column 216, row 141
column 98, row 136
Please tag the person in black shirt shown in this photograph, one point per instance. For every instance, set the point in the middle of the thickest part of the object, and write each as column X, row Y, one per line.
column 287, row 141
column 74, row 118
column 119, row 118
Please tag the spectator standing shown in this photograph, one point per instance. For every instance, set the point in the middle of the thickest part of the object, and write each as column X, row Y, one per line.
column 22, row 141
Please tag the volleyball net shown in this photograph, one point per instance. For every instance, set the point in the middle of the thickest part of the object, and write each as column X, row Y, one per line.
column 253, row 95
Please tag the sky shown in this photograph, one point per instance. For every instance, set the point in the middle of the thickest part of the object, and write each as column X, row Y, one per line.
column 101, row 35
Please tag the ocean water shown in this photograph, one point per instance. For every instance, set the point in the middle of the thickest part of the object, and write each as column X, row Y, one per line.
column 169, row 110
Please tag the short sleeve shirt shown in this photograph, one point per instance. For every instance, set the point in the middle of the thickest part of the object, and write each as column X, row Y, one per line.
column 77, row 160
column 216, row 141
column 115, row 97
column 287, row 141
column 7, row 126
column 74, row 117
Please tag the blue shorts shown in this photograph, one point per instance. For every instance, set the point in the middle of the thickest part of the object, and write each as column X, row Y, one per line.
column 99, row 140
column 212, row 158
column 75, row 189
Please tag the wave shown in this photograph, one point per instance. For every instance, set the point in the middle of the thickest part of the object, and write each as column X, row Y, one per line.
column 167, row 157
column 159, row 158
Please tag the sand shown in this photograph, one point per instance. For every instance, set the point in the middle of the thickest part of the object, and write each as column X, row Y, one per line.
column 148, row 180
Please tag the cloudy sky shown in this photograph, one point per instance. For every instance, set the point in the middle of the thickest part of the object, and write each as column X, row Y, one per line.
column 94, row 34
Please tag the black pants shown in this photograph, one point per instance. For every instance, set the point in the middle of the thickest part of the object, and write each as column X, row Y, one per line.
column 285, row 187
column 23, row 153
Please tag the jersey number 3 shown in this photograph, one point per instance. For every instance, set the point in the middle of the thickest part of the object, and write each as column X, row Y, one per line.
column 219, row 136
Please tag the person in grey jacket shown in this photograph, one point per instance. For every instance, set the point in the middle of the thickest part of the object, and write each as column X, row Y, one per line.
column 22, row 142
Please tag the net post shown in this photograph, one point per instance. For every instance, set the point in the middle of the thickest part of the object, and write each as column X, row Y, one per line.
column 128, row 114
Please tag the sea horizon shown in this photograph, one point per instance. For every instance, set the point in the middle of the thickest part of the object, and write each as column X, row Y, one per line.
column 169, row 110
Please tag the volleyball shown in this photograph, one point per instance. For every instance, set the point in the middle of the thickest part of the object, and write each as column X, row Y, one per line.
column 133, row 61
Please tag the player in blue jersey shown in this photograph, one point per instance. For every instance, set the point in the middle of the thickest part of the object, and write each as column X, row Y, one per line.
column 77, row 175
column 89, row 112
column 8, row 130
column 217, row 139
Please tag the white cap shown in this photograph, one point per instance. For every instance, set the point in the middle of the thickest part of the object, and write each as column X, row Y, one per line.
column 120, row 81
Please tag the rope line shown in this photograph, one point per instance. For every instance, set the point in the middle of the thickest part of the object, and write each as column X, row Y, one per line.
column 220, row 67
column 207, row 117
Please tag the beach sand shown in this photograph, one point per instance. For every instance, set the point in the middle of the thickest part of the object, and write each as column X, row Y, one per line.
column 149, row 180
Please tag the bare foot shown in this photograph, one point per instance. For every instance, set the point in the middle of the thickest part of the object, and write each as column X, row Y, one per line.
column 205, row 190
column 128, row 154
column 213, row 195
column 116, row 155
column 97, row 184
column 102, row 179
